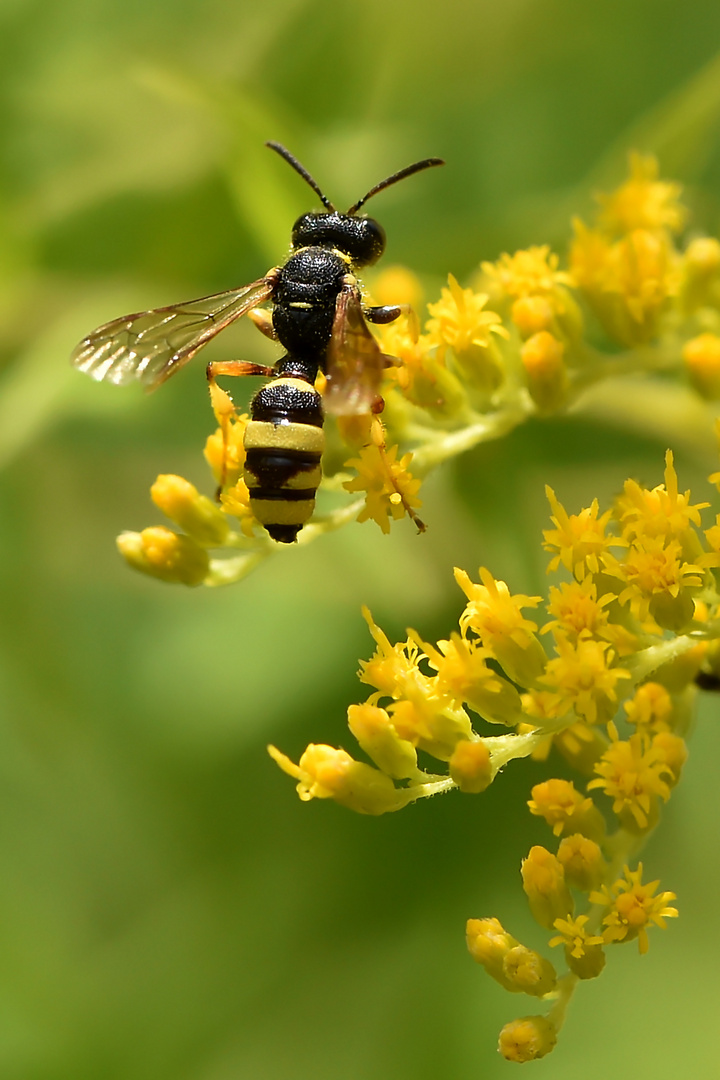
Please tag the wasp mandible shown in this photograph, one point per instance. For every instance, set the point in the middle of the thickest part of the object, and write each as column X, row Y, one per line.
column 317, row 316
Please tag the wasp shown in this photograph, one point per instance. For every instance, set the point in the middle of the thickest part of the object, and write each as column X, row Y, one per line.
column 318, row 317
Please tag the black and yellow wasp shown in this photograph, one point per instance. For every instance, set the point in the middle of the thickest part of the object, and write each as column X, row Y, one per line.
column 318, row 317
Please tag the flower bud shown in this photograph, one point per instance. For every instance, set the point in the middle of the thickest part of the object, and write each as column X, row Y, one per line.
column 195, row 513
column 566, row 810
column 702, row 363
column 674, row 751
column 470, row 766
column 589, row 965
column 531, row 314
column 163, row 554
column 324, row 772
column 542, row 356
column 529, row 972
column 583, row 862
column 527, row 1039
column 489, row 943
column 375, row 733
column 544, row 884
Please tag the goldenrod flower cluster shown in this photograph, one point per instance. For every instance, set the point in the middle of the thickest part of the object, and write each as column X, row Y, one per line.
column 600, row 672
column 526, row 338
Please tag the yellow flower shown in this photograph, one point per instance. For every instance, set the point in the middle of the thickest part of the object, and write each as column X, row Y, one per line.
column 495, row 616
column 430, row 724
column 421, row 375
column 224, row 449
column 393, row 669
column 628, row 283
column 651, row 708
column 530, row 272
column 459, row 320
column 574, row 936
column 660, row 583
column 661, row 512
column 421, row 713
column 577, row 609
column 391, row 489
column 235, row 500
column 674, row 752
column 583, row 674
column 578, row 539
column 581, row 746
column 326, row 773
column 643, row 201
column 633, row 908
column 633, row 773
column 566, row 810
column 464, row 676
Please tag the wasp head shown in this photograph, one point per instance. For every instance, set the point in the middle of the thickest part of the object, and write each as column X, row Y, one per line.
column 361, row 238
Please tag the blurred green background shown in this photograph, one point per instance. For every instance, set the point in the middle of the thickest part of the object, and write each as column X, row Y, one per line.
column 168, row 909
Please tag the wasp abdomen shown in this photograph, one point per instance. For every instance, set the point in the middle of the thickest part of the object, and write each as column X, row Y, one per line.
column 284, row 442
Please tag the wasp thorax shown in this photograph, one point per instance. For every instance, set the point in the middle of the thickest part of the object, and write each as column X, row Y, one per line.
column 362, row 238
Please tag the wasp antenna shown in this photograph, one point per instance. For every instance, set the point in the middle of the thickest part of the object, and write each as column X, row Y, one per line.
column 281, row 150
column 427, row 163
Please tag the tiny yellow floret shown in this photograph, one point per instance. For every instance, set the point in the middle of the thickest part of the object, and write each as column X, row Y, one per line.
column 494, row 614
column 634, row 774
column 389, row 486
column 643, row 201
column 583, row 951
column 566, row 810
column 578, row 539
column 633, row 908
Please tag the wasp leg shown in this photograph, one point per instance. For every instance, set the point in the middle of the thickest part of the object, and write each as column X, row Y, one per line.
column 385, row 314
column 377, row 435
column 390, row 312
column 235, row 367
column 263, row 321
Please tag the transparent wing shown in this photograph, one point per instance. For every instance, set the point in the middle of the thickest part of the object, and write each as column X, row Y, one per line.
column 150, row 346
column 355, row 361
